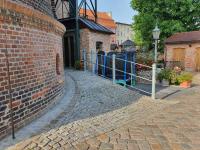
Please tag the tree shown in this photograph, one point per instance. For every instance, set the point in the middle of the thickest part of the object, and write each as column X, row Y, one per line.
column 171, row 15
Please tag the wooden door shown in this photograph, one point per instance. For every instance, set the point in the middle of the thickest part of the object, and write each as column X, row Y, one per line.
column 179, row 56
column 197, row 60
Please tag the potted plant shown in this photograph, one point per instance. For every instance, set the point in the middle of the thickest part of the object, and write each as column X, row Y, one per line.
column 185, row 80
column 164, row 77
column 160, row 77
column 78, row 65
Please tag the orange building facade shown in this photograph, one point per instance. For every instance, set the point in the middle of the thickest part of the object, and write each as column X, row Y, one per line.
column 105, row 19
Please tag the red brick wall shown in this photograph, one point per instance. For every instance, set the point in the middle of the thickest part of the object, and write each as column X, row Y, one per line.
column 88, row 41
column 33, row 41
column 89, row 38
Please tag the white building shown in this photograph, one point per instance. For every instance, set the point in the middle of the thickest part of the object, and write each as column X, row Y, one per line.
column 123, row 32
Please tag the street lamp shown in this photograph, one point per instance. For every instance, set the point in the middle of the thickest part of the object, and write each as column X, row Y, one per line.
column 156, row 35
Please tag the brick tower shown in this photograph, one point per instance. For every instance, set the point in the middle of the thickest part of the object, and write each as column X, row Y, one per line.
column 31, row 61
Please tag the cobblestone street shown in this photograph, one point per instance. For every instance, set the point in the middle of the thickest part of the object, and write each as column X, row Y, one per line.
column 106, row 117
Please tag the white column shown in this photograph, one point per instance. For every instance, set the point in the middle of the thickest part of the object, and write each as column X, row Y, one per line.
column 113, row 68
column 153, row 81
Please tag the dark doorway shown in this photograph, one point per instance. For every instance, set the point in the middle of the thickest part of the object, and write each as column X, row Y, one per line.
column 69, row 50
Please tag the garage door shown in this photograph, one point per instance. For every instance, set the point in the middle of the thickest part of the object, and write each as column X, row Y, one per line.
column 197, row 60
column 179, row 56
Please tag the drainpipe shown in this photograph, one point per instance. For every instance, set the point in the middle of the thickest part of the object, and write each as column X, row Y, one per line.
column 9, row 87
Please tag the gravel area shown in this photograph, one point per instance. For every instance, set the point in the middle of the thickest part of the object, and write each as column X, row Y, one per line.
column 95, row 96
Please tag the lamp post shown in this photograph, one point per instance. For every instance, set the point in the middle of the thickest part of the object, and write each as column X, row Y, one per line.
column 156, row 35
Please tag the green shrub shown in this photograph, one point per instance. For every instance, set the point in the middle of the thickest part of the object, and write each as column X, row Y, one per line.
column 173, row 78
column 185, row 77
column 160, row 77
column 165, row 74
column 77, row 65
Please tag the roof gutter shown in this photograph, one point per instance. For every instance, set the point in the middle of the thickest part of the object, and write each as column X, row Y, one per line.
column 183, row 42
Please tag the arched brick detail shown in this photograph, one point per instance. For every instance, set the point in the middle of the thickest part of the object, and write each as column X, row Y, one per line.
column 58, row 67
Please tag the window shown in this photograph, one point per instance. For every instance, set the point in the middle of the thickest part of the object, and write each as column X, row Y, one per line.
column 99, row 46
column 57, row 64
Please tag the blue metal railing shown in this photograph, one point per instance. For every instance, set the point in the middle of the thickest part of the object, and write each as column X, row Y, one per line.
column 121, row 70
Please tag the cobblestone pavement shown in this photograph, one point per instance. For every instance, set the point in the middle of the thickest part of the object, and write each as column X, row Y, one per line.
column 196, row 79
column 113, row 118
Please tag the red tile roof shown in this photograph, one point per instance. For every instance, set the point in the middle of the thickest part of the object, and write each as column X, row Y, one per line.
column 103, row 18
column 184, row 37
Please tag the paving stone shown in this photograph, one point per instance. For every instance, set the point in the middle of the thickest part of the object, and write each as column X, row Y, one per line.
column 47, row 147
column 56, row 145
column 106, row 146
column 68, row 147
column 120, row 146
column 113, row 140
column 32, row 145
column 124, row 134
column 63, row 142
column 186, row 146
column 156, row 146
column 166, row 146
column 103, row 137
column 144, row 145
column 93, row 142
column 93, row 148
column 37, row 148
column 133, row 146
column 82, row 146
column 52, row 143
column 176, row 146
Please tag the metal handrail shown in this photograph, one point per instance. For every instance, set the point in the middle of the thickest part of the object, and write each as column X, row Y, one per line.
column 121, row 71
column 89, row 54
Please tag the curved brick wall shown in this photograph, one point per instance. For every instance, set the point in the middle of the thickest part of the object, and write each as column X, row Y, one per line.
column 34, row 44
column 41, row 5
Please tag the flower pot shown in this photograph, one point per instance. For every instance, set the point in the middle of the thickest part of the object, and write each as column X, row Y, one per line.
column 186, row 84
column 165, row 83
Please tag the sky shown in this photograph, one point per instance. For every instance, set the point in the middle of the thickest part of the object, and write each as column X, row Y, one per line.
column 121, row 9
